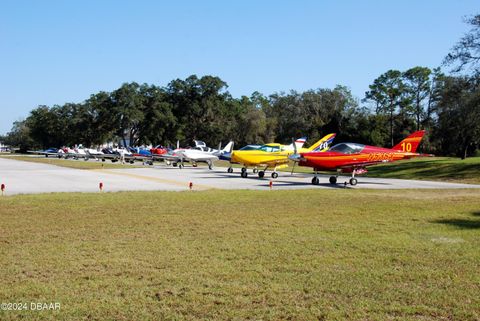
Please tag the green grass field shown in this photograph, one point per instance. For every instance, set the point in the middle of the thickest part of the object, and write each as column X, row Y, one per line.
column 237, row 255
column 437, row 168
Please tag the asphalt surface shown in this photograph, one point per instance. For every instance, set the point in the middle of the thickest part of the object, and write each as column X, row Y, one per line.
column 22, row 177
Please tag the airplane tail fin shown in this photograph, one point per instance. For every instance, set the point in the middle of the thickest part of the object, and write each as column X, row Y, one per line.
column 228, row 148
column 323, row 144
column 298, row 143
column 410, row 144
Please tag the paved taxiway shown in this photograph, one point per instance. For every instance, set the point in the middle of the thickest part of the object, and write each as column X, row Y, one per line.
column 26, row 177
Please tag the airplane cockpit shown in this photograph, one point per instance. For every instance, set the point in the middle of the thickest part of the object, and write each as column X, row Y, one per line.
column 347, row 148
column 201, row 146
column 269, row 148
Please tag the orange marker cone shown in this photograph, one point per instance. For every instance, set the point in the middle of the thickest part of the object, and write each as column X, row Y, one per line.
column 271, row 185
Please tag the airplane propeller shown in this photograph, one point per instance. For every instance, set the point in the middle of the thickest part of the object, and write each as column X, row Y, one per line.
column 294, row 156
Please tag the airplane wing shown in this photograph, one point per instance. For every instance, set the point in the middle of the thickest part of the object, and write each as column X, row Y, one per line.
column 169, row 157
column 205, row 158
column 42, row 152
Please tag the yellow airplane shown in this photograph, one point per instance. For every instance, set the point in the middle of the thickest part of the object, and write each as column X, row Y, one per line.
column 274, row 155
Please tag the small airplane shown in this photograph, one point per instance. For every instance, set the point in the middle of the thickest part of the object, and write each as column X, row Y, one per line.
column 199, row 153
column 273, row 155
column 228, row 155
column 158, row 150
column 202, row 153
column 354, row 158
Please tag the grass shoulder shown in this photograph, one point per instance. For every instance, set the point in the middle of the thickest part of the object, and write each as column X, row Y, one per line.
column 405, row 255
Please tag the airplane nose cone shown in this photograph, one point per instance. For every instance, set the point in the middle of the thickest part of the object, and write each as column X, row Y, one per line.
column 294, row 157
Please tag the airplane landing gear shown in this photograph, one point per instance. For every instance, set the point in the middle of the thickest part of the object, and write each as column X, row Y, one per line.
column 244, row 174
column 261, row 174
column 244, row 169
column 353, row 181
column 333, row 180
column 255, row 170
column 230, row 170
column 315, row 180
column 274, row 175
column 180, row 166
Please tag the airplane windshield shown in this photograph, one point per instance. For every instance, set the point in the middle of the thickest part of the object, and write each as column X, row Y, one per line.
column 250, row 147
column 347, row 148
column 269, row 149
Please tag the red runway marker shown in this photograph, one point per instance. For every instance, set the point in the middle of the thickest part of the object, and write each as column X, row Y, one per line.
column 100, row 186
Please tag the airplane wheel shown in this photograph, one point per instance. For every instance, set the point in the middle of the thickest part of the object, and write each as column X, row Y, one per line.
column 333, row 180
column 180, row 166
column 210, row 166
column 315, row 180
column 353, row 181
column 230, row 170
column 244, row 174
column 132, row 162
column 85, row 159
column 174, row 164
column 244, row 169
column 168, row 163
column 261, row 174
column 274, row 175
column 255, row 170
column 195, row 165
column 103, row 159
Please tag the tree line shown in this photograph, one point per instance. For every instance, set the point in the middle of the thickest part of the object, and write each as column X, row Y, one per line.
column 397, row 103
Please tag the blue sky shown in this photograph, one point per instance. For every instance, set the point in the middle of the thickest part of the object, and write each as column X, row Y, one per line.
column 53, row 52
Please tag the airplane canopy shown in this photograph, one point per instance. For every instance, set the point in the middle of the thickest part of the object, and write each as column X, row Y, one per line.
column 270, row 148
column 347, row 148
column 251, row 147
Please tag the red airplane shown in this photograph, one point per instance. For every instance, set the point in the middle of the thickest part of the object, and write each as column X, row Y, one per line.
column 353, row 158
column 158, row 150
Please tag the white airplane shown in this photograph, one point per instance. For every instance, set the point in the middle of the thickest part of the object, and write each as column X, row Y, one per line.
column 200, row 153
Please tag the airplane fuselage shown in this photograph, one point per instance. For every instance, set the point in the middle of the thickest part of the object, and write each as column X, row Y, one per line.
column 370, row 155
